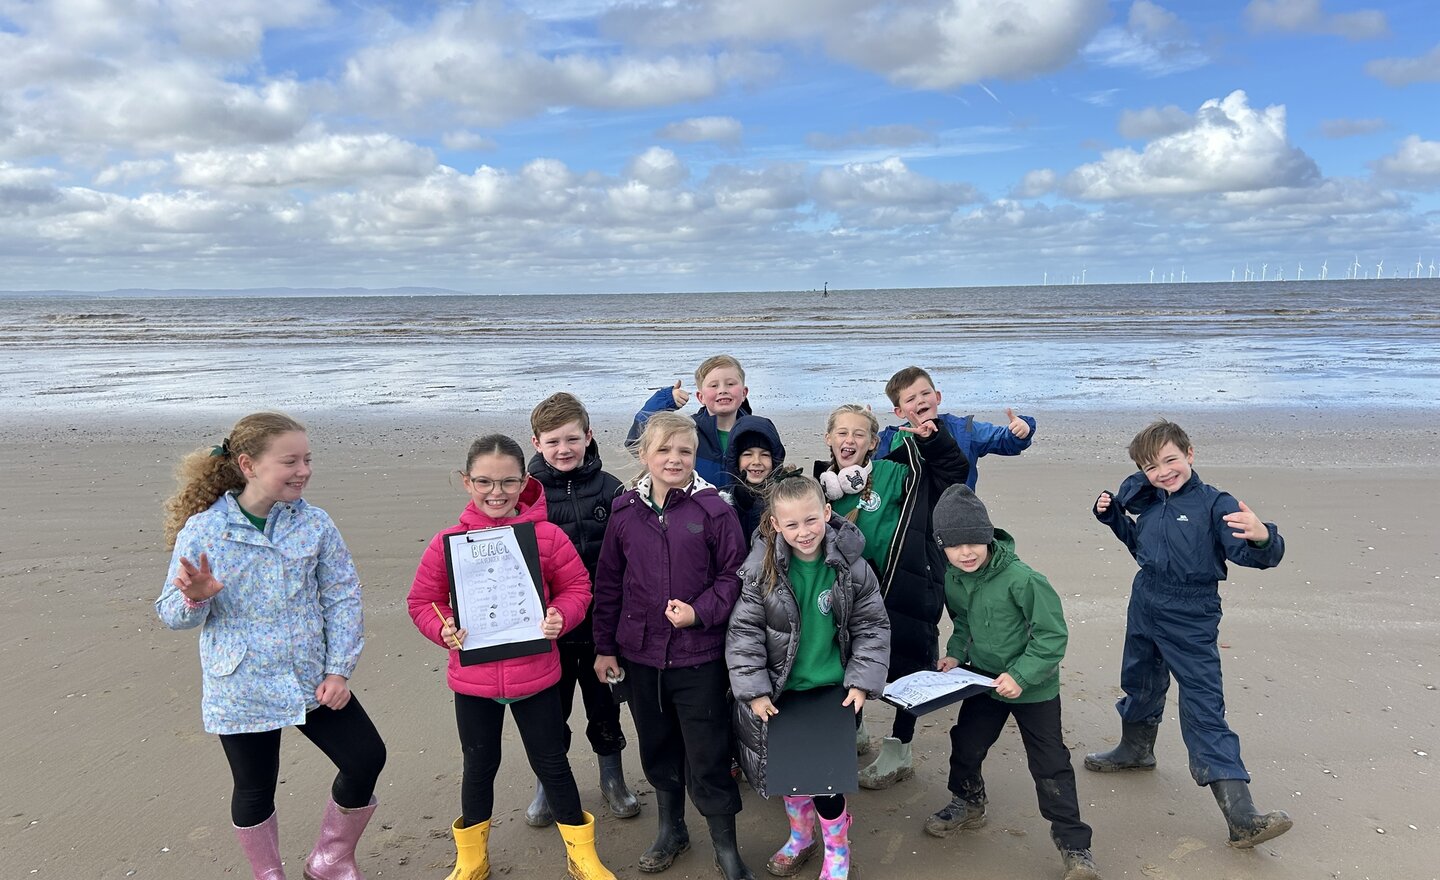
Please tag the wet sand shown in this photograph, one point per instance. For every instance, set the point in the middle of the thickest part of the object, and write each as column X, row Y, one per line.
column 1330, row 659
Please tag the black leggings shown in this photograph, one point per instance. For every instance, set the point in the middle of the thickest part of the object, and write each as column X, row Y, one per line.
column 346, row 736
column 829, row 806
column 542, row 732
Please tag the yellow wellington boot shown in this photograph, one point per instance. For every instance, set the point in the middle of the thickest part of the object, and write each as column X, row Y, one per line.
column 472, row 851
column 581, row 858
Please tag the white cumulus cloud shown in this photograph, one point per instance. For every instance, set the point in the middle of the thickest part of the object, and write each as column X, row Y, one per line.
column 1415, row 165
column 1231, row 147
column 1153, row 122
column 1407, row 71
column 328, row 160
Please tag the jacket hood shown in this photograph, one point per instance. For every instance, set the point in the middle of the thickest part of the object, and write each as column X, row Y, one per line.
column 747, row 428
column 541, row 469
column 529, row 508
column 697, row 482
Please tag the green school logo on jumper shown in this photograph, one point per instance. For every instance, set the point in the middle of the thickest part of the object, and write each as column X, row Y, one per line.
column 869, row 502
column 822, row 602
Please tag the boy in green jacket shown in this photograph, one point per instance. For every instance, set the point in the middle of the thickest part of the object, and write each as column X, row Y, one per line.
column 1009, row 626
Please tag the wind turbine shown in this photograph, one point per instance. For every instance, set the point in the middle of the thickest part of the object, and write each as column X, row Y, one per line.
column 1232, row 274
column 1299, row 272
column 1152, row 274
column 1418, row 266
column 1182, row 274
column 1325, row 270
column 1264, row 270
column 1379, row 270
column 1355, row 269
column 1432, row 268
column 1083, row 270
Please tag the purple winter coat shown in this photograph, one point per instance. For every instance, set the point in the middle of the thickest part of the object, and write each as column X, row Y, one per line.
column 692, row 553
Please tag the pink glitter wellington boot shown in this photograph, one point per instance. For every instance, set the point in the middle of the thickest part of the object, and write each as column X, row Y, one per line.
column 333, row 857
column 836, row 833
column 261, row 845
column 803, row 842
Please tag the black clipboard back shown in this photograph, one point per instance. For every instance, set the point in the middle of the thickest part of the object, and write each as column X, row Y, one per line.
column 810, row 745
column 530, row 550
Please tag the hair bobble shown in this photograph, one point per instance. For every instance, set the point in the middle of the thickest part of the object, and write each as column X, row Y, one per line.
column 222, row 451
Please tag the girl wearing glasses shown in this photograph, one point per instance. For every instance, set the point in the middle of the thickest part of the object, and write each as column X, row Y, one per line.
column 501, row 494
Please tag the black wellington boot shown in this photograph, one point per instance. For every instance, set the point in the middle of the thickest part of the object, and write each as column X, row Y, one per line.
column 727, row 852
column 1247, row 827
column 1136, row 750
column 617, row 794
column 674, row 837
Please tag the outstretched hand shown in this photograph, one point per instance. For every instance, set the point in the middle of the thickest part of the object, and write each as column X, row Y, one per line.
column 197, row 583
column 924, row 430
column 1246, row 524
column 1018, row 426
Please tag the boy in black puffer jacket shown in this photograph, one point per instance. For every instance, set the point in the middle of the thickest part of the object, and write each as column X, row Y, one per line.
column 578, row 492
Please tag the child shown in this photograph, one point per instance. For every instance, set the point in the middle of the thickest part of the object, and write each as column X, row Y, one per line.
column 1182, row 532
column 890, row 500
column 272, row 586
column 720, row 388
column 753, row 461
column 915, row 399
column 578, row 493
column 810, row 615
column 1008, row 625
column 663, row 593
column 500, row 494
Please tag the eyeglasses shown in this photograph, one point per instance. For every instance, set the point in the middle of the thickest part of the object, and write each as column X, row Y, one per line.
column 507, row 485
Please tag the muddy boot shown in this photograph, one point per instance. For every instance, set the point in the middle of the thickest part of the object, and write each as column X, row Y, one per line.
column 1079, row 865
column 958, row 815
column 617, row 794
column 674, row 837
column 803, row 842
column 727, row 852
column 1247, row 827
column 1136, row 750
column 893, row 764
column 538, row 814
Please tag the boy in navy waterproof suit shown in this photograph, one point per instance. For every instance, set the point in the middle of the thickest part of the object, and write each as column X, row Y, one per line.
column 720, row 388
column 1182, row 533
column 913, row 394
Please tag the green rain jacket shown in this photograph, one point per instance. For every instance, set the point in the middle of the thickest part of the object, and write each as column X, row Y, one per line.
column 1008, row 619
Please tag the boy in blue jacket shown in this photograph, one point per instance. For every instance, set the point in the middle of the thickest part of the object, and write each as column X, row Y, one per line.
column 720, row 388
column 1182, row 532
column 913, row 394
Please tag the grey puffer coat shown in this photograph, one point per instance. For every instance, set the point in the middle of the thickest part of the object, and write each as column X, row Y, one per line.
column 763, row 635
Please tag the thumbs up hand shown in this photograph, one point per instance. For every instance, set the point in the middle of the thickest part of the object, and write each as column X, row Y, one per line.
column 681, row 396
column 1018, row 426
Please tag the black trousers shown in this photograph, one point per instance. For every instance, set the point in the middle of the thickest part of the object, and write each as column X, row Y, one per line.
column 481, row 720
column 602, row 713
column 346, row 736
column 683, row 723
column 978, row 726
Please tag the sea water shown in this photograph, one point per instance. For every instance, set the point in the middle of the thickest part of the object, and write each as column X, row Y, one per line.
column 1075, row 348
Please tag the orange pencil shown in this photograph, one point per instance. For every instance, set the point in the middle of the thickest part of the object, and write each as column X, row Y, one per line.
column 442, row 623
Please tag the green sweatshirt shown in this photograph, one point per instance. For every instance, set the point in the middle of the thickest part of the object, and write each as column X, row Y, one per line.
column 879, row 514
column 1008, row 619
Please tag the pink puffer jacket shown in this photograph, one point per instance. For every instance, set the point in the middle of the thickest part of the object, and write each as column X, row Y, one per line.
column 566, row 586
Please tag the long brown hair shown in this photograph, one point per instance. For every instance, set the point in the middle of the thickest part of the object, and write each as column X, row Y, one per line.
column 209, row 472
column 793, row 486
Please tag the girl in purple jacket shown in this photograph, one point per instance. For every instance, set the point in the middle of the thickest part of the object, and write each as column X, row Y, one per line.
column 664, row 588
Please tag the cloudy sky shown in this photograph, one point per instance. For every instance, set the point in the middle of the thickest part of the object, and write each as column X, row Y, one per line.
column 591, row 145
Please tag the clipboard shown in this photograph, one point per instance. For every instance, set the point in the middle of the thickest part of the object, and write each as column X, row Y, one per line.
column 519, row 581
column 946, row 694
column 810, row 744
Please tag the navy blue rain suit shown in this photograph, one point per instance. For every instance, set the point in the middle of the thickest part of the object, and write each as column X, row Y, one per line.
column 1172, row 627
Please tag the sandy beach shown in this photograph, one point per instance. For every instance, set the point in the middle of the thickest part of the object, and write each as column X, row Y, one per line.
column 1331, row 662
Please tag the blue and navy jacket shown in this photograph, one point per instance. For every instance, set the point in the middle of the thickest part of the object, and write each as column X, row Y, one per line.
column 749, row 503
column 1181, row 539
column 974, row 439
column 709, row 461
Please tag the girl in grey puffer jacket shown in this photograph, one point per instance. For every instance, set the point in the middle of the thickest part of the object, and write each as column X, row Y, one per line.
column 809, row 615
